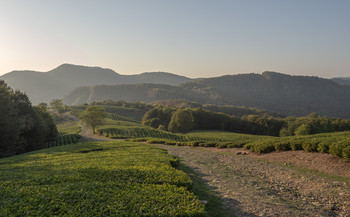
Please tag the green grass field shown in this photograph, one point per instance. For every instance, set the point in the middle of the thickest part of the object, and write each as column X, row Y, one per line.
column 96, row 179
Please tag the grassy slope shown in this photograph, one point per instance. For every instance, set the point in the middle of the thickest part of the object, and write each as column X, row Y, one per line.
column 94, row 179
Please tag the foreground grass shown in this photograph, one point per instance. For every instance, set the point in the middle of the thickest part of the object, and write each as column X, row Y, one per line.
column 96, row 179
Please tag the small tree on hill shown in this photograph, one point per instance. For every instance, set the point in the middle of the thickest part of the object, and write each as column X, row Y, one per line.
column 58, row 105
column 93, row 116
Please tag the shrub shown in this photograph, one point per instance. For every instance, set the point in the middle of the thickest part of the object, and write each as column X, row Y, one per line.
column 323, row 147
column 210, row 144
column 162, row 127
column 195, row 143
column 179, row 144
column 346, row 152
column 264, row 148
column 221, row 145
column 236, row 144
column 156, row 141
column 249, row 146
column 296, row 145
column 282, row 146
column 337, row 149
column 310, row 145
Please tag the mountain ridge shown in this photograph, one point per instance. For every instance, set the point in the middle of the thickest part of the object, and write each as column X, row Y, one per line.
column 276, row 92
column 58, row 82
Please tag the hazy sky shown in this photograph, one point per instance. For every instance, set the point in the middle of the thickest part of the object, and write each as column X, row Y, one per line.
column 195, row 38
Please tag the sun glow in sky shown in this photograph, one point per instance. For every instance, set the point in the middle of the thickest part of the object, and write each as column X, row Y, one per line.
column 195, row 38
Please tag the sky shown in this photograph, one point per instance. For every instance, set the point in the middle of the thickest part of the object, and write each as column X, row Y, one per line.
column 194, row 38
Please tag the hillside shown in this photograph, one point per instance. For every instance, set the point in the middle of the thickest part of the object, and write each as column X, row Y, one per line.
column 276, row 92
column 45, row 86
column 342, row 80
column 129, row 92
column 291, row 95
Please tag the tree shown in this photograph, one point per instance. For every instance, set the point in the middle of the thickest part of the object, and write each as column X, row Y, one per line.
column 43, row 106
column 93, row 116
column 58, row 105
column 181, row 121
column 10, row 126
column 302, row 130
column 22, row 127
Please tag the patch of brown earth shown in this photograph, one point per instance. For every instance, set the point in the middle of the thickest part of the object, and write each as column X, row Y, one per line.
column 325, row 163
column 249, row 185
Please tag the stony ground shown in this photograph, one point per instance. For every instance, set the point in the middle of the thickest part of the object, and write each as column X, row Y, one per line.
column 251, row 185
column 275, row 184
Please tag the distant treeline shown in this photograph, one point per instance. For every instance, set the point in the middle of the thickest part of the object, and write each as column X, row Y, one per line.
column 177, row 103
column 182, row 120
column 183, row 116
column 122, row 103
column 23, row 127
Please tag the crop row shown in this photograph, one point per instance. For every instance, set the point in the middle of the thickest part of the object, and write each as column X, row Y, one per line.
column 69, row 130
column 64, row 140
column 96, row 179
column 337, row 144
column 140, row 132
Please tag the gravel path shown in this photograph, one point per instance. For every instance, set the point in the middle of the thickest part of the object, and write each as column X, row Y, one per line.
column 87, row 136
column 255, row 187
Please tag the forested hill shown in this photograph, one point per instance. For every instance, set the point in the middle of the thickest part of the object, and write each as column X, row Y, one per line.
column 342, row 80
column 45, row 86
column 290, row 95
column 131, row 93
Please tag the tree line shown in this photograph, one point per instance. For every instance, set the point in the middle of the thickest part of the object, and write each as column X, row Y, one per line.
column 23, row 127
column 182, row 120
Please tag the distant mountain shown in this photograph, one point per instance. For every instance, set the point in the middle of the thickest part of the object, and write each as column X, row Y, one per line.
column 276, row 92
column 286, row 94
column 45, row 86
column 129, row 92
column 342, row 80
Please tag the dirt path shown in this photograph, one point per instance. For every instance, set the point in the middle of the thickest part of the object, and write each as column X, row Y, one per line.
column 250, row 186
column 88, row 136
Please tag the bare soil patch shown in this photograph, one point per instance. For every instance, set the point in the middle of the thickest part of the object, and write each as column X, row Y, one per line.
column 250, row 185
column 325, row 163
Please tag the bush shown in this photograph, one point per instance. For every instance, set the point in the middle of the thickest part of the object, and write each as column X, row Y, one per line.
column 162, row 127
column 346, row 152
column 264, row 148
column 296, row 145
column 323, row 147
column 155, row 141
column 337, row 149
column 210, row 144
column 310, row 145
column 236, row 144
column 282, row 146
column 249, row 146
column 221, row 145
column 180, row 144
